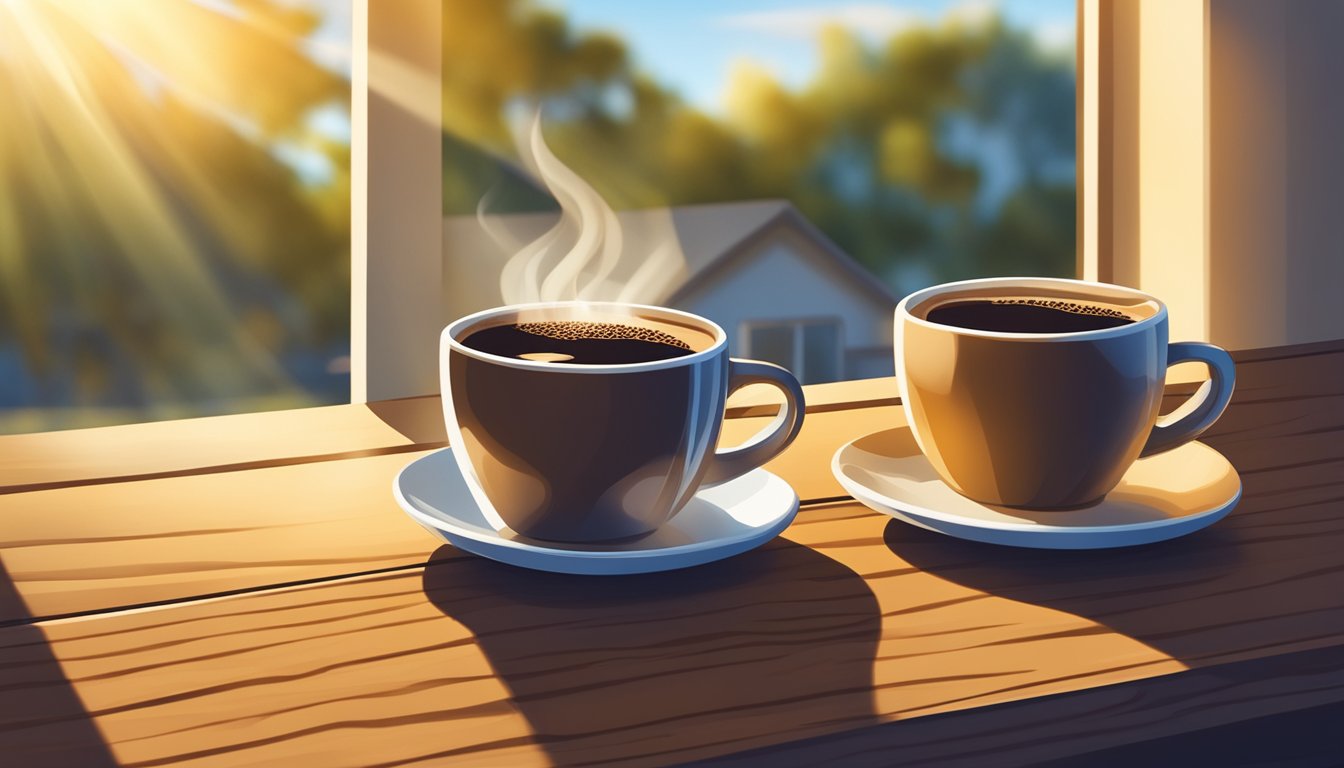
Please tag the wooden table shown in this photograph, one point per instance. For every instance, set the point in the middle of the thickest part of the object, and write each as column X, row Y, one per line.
column 243, row 590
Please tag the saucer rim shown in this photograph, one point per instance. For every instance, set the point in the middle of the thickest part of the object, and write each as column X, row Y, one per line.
column 557, row 549
column 852, row 487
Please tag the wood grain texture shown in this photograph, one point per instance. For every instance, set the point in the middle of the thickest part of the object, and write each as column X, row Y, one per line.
column 258, row 440
column 76, row 740
column 216, row 444
column 849, row 621
column 476, row 663
column 1270, row 711
column 105, row 546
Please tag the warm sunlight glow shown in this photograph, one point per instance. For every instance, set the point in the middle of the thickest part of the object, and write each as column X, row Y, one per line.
column 167, row 167
column 1089, row 10
column 1173, row 161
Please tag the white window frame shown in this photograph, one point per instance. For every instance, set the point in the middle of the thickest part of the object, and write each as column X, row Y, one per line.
column 1168, row 201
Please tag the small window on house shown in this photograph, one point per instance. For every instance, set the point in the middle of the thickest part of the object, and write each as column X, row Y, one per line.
column 821, row 352
column 773, row 343
column 810, row 348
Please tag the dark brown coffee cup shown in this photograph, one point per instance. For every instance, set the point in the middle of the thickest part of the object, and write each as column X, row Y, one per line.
column 585, row 453
column 1046, row 420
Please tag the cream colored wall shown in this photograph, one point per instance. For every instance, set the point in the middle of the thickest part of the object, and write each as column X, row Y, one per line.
column 1248, row 182
column 1277, row 162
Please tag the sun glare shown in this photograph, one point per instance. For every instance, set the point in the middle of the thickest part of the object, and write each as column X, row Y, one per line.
column 160, row 172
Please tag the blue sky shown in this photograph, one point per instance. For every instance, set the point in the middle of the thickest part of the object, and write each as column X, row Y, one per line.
column 693, row 45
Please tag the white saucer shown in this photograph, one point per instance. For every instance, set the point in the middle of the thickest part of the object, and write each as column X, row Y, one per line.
column 1160, row 497
column 719, row 522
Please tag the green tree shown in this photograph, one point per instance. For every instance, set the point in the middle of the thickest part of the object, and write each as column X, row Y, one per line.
column 862, row 150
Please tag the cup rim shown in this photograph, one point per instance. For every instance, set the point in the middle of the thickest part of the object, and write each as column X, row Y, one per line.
column 923, row 295
column 449, row 336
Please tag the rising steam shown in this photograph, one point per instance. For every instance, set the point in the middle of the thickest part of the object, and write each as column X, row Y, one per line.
column 578, row 257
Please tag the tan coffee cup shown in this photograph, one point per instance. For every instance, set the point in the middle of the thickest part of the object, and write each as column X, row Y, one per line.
column 1046, row 420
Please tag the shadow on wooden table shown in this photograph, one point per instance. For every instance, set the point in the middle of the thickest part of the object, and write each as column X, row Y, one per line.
column 1165, row 595
column 418, row 419
column 776, row 641
column 42, row 721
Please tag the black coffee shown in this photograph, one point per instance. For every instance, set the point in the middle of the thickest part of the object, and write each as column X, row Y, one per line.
column 1028, row 316
column 578, row 342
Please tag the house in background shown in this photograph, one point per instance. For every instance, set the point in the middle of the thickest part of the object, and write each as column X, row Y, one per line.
column 781, row 289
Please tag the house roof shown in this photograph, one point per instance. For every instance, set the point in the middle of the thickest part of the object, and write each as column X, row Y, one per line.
column 710, row 236
column 771, row 213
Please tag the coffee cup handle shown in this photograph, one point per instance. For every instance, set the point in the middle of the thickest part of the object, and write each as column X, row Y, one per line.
column 1203, row 408
column 766, row 444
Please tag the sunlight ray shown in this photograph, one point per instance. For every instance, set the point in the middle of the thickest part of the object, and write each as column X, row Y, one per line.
column 146, row 210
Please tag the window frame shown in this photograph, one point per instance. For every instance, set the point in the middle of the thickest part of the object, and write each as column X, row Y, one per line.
column 396, row 180
column 396, row 198
column 1123, row 165
column 397, row 311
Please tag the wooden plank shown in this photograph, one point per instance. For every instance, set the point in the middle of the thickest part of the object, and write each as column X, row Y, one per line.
column 848, row 621
column 74, row 740
column 1271, row 711
column 98, row 547
column 219, row 443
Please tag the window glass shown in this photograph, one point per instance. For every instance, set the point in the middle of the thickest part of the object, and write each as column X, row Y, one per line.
column 821, row 353
column 773, row 344
column 756, row 161
column 174, row 208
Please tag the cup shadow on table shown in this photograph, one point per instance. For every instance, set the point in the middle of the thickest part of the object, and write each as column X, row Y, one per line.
column 42, row 720
column 1153, row 593
column 774, row 641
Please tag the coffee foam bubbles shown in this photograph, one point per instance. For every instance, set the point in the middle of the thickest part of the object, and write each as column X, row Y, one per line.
column 575, row 330
column 1065, row 305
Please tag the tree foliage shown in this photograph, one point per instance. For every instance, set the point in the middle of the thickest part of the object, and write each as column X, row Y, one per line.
column 888, row 148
